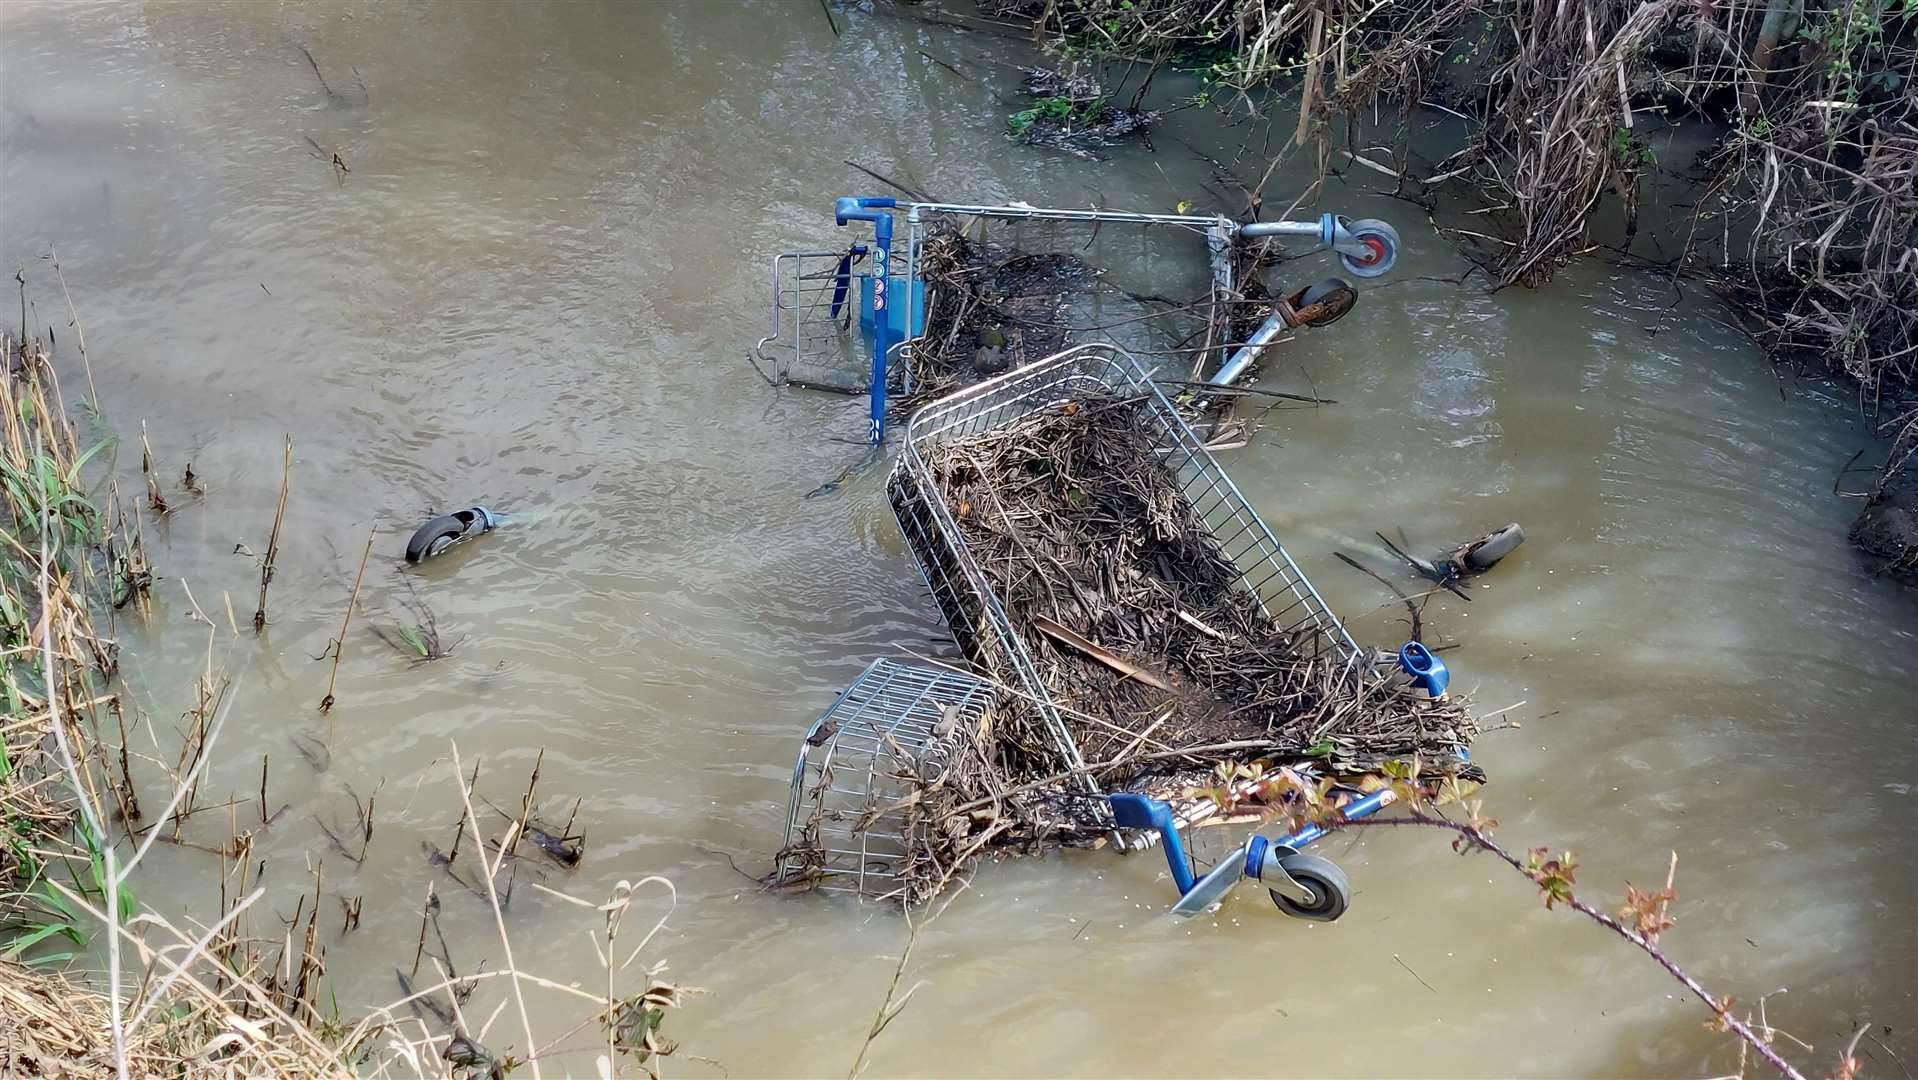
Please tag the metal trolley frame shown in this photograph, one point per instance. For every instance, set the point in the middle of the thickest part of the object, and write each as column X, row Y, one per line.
column 964, row 594
column 849, row 826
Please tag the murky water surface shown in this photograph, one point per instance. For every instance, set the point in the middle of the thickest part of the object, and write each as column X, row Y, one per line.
column 534, row 289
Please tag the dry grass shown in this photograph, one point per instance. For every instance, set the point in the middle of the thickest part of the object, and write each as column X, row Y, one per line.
column 213, row 997
column 1806, row 209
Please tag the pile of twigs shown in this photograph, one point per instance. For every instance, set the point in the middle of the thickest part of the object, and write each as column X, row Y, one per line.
column 1163, row 664
column 1080, row 527
column 1806, row 210
column 50, row 1027
column 1819, row 176
column 70, row 565
column 1072, row 112
column 992, row 308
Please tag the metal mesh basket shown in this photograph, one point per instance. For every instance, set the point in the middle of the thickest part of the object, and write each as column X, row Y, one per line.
column 963, row 592
column 886, row 736
column 814, row 340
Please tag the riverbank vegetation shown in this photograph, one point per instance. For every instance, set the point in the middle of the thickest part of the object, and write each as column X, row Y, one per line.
column 80, row 809
column 1803, row 209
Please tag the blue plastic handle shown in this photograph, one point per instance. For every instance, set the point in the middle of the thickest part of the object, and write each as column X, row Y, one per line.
column 878, row 210
column 1140, row 812
column 862, row 208
column 1428, row 672
column 1259, row 848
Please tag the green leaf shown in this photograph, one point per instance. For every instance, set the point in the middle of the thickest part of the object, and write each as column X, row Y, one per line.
column 54, row 902
column 416, row 639
column 27, row 941
column 73, row 471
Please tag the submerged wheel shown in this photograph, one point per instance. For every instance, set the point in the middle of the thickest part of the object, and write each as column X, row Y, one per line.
column 1331, row 892
column 1494, row 547
column 1325, row 303
column 1382, row 248
column 434, row 537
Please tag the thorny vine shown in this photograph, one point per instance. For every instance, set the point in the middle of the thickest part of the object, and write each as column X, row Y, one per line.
column 1640, row 919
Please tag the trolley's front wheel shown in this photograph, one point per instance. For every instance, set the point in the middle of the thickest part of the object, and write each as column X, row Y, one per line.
column 1381, row 248
column 434, row 537
column 1331, row 893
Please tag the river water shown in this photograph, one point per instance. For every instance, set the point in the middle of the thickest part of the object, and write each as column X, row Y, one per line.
column 534, row 288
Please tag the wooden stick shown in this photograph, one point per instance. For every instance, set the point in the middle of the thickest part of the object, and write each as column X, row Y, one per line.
column 1423, row 567
column 1110, row 659
column 526, row 803
column 460, row 832
column 73, row 316
column 1417, row 623
column 1315, row 59
column 155, row 500
column 426, row 910
column 130, row 802
column 339, row 643
column 890, row 182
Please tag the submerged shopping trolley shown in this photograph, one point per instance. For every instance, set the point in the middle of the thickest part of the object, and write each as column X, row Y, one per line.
column 840, row 832
column 844, row 320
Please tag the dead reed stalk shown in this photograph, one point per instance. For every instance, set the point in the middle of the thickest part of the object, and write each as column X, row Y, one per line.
column 339, row 643
column 273, row 538
column 155, row 501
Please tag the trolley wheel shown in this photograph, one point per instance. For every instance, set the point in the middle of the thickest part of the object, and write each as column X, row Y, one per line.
column 1382, row 248
column 435, row 536
column 1325, row 303
column 1331, row 892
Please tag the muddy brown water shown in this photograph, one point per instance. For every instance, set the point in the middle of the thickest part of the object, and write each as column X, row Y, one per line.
column 534, row 289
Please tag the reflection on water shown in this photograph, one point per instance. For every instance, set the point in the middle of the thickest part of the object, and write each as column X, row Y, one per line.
column 533, row 289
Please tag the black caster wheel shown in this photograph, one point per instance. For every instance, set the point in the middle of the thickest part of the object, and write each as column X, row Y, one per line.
column 1322, row 877
column 1325, row 303
column 434, row 537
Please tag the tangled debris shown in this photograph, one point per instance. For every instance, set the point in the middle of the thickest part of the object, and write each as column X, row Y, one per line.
column 1166, row 667
column 1078, row 525
column 1887, row 529
column 998, row 304
column 1803, row 211
column 992, row 308
column 1073, row 113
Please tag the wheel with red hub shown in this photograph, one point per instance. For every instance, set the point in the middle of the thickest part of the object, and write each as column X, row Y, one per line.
column 1381, row 243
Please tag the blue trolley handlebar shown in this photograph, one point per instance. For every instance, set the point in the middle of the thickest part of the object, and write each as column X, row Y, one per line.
column 878, row 210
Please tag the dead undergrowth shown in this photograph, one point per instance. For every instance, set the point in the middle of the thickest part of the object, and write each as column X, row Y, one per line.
column 96, row 982
column 1805, row 210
